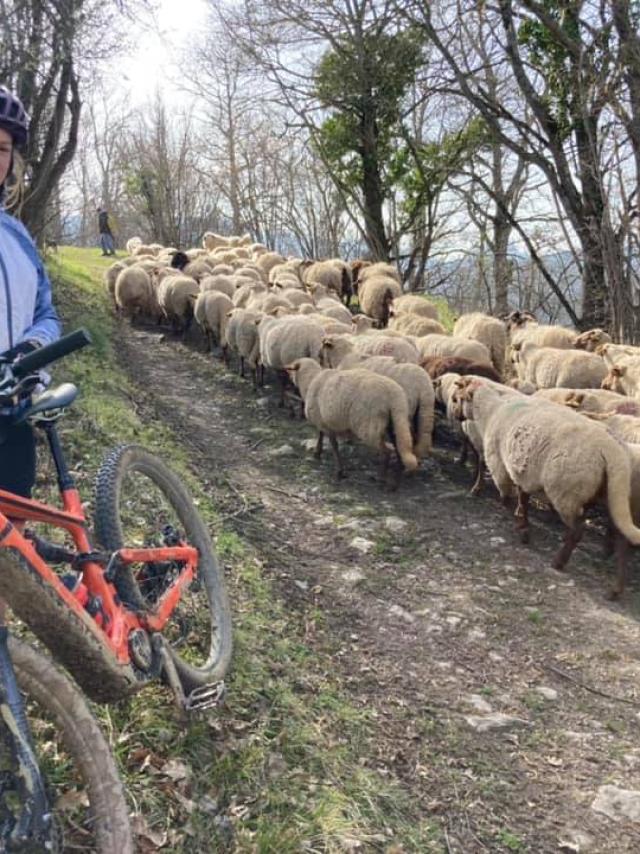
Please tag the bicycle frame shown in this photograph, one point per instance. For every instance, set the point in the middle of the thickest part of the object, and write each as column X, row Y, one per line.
column 118, row 620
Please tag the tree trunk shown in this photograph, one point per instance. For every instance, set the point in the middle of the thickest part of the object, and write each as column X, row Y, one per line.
column 375, row 232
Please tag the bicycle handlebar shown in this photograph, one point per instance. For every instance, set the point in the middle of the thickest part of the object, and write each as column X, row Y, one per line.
column 44, row 356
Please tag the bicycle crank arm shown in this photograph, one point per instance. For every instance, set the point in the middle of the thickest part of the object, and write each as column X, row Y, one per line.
column 201, row 699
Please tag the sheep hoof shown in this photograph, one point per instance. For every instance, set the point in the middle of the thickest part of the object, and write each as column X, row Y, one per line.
column 524, row 537
column 559, row 564
column 614, row 595
column 475, row 490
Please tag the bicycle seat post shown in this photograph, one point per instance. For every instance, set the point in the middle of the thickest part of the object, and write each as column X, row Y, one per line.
column 65, row 481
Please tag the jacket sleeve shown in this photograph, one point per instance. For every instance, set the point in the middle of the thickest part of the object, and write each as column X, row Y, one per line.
column 46, row 327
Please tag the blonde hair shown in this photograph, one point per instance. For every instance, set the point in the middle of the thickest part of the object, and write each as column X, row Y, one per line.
column 14, row 195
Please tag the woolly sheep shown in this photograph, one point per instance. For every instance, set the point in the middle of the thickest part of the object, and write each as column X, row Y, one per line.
column 198, row 269
column 380, row 268
column 448, row 345
column 417, row 388
column 488, row 331
column 211, row 312
column 244, row 293
column 335, row 348
column 241, row 336
column 217, row 282
column 533, row 446
column 132, row 292
column 589, row 400
column 549, row 367
column 413, row 324
column 110, row 276
column 327, row 273
column 376, row 294
column 211, row 241
column 355, row 403
column 592, row 339
column 268, row 260
column 285, row 340
column 625, row 427
column 436, row 366
column 412, row 304
column 544, row 336
column 132, row 244
column 177, row 296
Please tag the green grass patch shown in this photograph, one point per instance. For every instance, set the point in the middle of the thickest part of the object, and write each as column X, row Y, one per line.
column 282, row 767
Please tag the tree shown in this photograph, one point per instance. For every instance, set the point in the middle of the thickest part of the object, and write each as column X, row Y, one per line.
column 566, row 64
column 46, row 47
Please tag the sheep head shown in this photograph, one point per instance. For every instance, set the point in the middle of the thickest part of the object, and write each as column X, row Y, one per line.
column 612, row 381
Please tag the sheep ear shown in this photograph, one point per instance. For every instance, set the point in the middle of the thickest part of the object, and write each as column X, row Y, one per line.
column 578, row 398
column 327, row 342
column 618, row 370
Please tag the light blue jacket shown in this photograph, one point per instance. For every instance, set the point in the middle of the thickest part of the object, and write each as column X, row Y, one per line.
column 26, row 309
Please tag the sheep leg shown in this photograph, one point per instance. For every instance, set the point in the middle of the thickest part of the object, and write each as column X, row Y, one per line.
column 336, row 454
column 609, row 545
column 479, row 474
column 571, row 540
column 522, row 516
column 225, row 355
column 242, row 366
column 254, row 374
column 282, row 383
column 209, row 342
column 318, row 451
column 464, row 450
column 621, row 548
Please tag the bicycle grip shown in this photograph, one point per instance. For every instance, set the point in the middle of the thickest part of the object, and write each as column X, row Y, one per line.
column 51, row 352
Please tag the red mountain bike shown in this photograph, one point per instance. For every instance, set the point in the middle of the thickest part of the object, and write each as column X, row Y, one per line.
column 146, row 601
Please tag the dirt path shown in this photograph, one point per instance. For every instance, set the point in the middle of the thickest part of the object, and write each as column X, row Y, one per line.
column 436, row 617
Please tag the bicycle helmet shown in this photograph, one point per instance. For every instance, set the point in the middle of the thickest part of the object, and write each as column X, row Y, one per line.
column 13, row 117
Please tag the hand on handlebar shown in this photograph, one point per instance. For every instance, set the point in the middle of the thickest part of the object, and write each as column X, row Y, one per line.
column 20, row 349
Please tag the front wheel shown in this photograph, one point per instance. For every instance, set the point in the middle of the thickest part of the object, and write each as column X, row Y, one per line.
column 141, row 503
column 82, row 782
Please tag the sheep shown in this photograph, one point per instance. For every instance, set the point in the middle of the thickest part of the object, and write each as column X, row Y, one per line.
column 436, row 366
column 132, row 244
column 132, row 292
column 376, row 294
column 625, row 427
column 286, row 339
column 268, row 260
column 592, row 339
column 362, row 323
column 241, row 336
column 217, row 282
column 355, row 403
column 550, row 367
column 222, row 270
column 488, row 331
column 417, row 388
column 110, row 276
column 335, row 348
column 327, row 273
column 534, row 446
column 211, row 241
column 544, row 336
column 448, row 345
column 245, row 292
column 177, row 295
column 412, row 304
column 296, row 298
column 590, row 400
column 198, row 269
column 142, row 249
column 335, row 310
column 413, row 324
column 211, row 312
column 612, row 353
column 286, row 269
column 380, row 268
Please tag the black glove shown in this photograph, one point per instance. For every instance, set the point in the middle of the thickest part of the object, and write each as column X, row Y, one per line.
column 20, row 349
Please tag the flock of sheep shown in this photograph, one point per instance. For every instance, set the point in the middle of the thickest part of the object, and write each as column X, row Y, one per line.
column 545, row 409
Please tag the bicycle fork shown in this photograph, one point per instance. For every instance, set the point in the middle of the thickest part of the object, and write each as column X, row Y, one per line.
column 34, row 822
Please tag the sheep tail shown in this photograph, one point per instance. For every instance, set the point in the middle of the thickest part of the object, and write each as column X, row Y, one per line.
column 402, row 432
column 619, row 491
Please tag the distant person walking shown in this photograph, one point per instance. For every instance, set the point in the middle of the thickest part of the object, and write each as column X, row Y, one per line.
column 106, row 235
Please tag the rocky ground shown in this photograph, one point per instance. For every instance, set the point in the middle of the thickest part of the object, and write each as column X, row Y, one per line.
column 505, row 692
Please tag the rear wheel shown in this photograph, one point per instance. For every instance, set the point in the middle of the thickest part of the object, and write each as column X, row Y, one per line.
column 82, row 782
column 140, row 502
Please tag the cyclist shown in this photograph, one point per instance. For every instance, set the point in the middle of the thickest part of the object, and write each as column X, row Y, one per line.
column 27, row 316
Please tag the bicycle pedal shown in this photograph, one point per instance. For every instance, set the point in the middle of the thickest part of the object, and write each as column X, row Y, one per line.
column 205, row 697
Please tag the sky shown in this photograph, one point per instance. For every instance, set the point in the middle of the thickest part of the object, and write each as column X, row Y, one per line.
column 147, row 68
